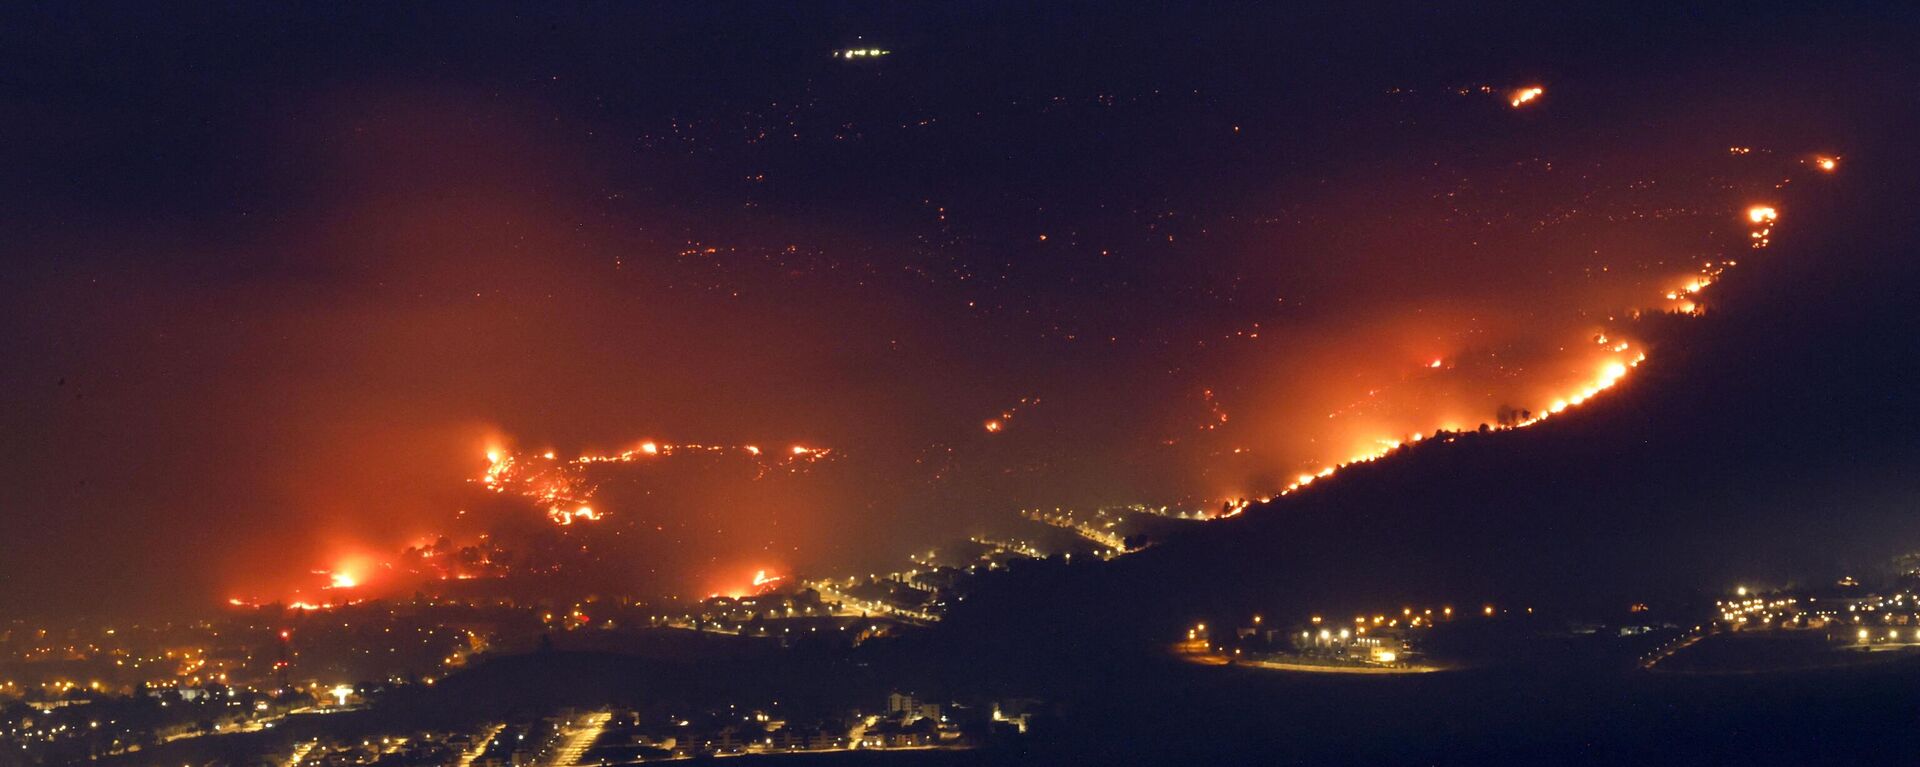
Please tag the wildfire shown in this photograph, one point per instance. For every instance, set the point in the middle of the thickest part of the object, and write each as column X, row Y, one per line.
column 999, row 424
column 563, row 517
column 563, row 488
column 760, row 582
column 1216, row 415
column 301, row 605
column 1762, row 217
column 498, row 466
column 1608, row 374
column 1620, row 358
column 810, row 454
column 1525, row 96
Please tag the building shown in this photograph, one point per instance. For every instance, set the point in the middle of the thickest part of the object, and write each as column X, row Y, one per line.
column 907, row 707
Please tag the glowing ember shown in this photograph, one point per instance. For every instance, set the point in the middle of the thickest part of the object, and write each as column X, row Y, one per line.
column 1525, row 96
column 564, row 517
column 1763, row 217
column 1217, row 416
column 999, row 424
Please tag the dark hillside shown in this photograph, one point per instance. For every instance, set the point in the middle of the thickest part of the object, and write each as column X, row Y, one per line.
column 1770, row 441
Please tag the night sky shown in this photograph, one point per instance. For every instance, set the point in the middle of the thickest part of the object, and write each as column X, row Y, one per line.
column 274, row 280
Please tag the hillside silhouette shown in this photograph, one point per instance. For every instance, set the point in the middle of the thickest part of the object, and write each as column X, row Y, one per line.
column 1766, row 443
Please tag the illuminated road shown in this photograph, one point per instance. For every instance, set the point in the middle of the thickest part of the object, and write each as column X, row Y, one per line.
column 480, row 746
column 1115, row 543
column 300, row 752
column 251, row 725
column 1670, row 648
column 1314, row 668
column 862, row 606
column 580, row 739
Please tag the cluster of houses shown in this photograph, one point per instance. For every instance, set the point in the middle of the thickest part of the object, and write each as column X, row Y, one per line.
column 906, row 722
